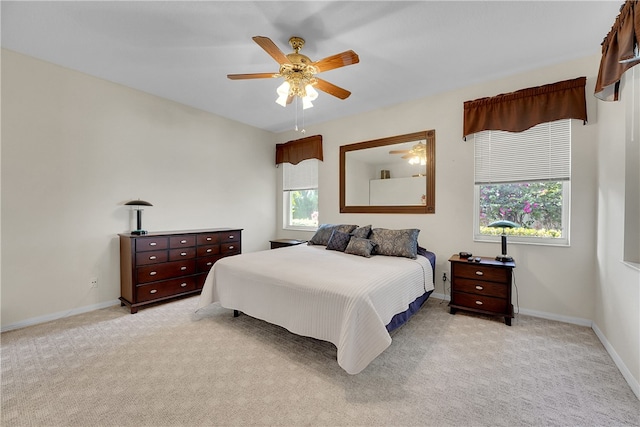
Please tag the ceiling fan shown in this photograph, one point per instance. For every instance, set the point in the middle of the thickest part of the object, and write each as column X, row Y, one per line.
column 299, row 72
column 416, row 154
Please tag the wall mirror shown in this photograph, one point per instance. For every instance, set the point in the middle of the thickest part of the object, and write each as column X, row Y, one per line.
column 389, row 175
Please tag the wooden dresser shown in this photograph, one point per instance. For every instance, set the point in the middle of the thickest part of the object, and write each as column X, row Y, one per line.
column 162, row 265
column 482, row 287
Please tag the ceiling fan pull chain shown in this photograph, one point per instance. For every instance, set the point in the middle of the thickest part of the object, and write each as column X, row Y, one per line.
column 296, row 114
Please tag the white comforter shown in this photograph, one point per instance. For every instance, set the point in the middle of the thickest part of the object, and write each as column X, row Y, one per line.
column 341, row 298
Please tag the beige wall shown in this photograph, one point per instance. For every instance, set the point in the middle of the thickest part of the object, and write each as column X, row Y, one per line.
column 554, row 282
column 617, row 313
column 75, row 148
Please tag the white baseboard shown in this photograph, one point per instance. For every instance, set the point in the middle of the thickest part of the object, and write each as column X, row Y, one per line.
column 560, row 318
column 633, row 383
column 59, row 315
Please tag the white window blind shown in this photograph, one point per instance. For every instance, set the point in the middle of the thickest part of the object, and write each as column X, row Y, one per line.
column 541, row 153
column 303, row 176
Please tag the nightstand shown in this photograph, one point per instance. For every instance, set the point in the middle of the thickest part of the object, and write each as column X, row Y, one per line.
column 282, row 243
column 482, row 287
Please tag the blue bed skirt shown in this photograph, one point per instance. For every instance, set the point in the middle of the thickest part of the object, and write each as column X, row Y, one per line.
column 402, row 318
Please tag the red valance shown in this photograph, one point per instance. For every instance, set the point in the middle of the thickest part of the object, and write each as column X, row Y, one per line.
column 520, row 110
column 618, row 46
column 300, row 149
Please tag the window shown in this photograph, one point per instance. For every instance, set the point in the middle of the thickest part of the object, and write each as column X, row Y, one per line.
column 300, row 195
column 524, row 177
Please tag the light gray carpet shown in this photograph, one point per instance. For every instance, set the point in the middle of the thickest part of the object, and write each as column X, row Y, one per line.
column 165, row 366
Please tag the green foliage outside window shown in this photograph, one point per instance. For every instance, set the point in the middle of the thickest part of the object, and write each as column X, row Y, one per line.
column 536, row 206
column 304, row 208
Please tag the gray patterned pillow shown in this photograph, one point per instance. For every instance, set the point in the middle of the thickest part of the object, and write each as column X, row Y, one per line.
column 362, row 232
column 323, row 234
column 338, row 241
column 360, row 246
column 402, row 243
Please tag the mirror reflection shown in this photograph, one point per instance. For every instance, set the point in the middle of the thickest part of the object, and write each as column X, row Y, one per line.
column 389, row 175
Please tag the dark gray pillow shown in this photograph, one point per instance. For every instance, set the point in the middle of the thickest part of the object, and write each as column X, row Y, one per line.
column 324, row 233
column 360, row 246
column 402, row 243
column 338, row 241
column 362, row 232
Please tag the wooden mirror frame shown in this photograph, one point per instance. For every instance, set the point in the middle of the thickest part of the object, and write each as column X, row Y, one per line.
column 430, row 207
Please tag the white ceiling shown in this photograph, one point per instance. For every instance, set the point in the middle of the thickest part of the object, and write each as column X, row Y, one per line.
column 408, row 50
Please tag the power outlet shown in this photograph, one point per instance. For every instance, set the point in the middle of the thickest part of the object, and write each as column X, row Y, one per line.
column 93, row 282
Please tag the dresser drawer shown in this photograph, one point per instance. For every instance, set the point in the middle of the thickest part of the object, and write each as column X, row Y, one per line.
column 208, row 250
column 203, row 265
column 151, row 243
column 167, row 270
column 182, row 241
column 480, row 287
column 165, row 288
column 151, row 257
column 480, row 302
column 484, row 272
column 230, row 248
column 230, row 237
column 184, row 253
column 208, row 238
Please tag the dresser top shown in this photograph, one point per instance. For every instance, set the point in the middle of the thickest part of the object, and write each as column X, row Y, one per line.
column 172, row 232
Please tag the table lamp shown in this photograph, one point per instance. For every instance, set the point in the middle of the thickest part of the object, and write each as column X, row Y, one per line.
column 137, row 206
column 504, row 224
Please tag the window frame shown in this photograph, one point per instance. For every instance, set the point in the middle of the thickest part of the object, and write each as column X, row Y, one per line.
column 564, row 241
column 286, row 199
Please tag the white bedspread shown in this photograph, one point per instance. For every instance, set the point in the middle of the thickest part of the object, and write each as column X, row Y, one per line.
column 341, row 298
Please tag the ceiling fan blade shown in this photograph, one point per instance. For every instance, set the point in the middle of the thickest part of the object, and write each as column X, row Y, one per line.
column 252, row 76
column 399, row 151
column 332, row 89
column 343, row 59
column 271, row 48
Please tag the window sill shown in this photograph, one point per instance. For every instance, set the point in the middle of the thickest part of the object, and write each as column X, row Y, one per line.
column 632, row 265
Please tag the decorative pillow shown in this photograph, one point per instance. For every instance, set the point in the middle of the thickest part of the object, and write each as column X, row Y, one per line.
column 360, row 246
column 362, row 232
column 402, row 243
column 338, row 241
column 324, row 233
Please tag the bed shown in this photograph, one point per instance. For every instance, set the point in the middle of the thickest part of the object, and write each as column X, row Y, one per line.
column 351, row 301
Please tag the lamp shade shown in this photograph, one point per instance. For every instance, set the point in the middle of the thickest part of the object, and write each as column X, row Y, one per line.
column 138, row 203
column 503, row 224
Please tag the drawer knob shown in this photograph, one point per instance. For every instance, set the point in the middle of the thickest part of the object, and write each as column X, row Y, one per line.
column 153, row 273
column 479, row 302
column 183, row 285
column 209, row 250
column 479, row 273
column 231, row 237
column 183, row 254
column 208, row 238
column 183, row 241
column 478, row 287
column 183, row 268
column 153, row 257
column 231, row 247
column 153, row 291
column 209, row 263
column 152, row 244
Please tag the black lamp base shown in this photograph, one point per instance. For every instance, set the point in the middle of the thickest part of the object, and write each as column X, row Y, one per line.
column 138, row 232
column 504, row 258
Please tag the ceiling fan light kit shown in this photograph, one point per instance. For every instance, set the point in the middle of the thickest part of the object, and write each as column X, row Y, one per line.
column 299, row 72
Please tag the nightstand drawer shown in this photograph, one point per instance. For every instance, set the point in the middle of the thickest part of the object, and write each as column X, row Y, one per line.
column 165, row 288
column 167, row 270
column 479, row 302
column 484, row 272
column 480, row 287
